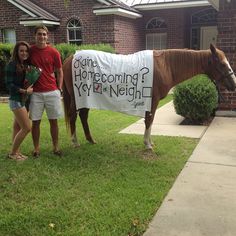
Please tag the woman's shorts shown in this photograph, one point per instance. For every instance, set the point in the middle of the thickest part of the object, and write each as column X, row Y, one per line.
column 15, row 105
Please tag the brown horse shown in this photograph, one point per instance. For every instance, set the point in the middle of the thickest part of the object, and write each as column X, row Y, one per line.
column 170, row 68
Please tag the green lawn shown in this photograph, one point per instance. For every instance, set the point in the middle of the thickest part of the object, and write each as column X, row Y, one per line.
column 105, row 189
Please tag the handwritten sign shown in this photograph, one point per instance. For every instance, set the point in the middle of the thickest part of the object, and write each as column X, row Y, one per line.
column 113, row 82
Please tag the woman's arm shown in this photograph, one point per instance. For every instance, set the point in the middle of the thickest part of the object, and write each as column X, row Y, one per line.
column 10, row 77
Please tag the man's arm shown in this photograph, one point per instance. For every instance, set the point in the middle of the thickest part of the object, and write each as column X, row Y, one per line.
column 59, row 78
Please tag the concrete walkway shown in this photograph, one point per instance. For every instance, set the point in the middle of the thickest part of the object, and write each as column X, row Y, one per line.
column 4, row 99
column 166, row 122
column 202, row 201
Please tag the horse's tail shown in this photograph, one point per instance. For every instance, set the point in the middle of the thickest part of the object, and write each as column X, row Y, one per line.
column 66, row 99
column 66, row 95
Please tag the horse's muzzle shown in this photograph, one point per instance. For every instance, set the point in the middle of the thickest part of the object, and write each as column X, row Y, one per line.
column 230, row 81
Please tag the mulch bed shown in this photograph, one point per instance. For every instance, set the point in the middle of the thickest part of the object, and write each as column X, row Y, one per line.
column 196, row 122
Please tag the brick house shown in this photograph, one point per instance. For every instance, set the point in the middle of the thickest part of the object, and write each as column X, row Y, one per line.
column 128, row 25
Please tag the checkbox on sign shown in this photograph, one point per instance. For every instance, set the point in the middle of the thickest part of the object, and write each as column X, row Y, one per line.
column 147, row 92
column 97, row 88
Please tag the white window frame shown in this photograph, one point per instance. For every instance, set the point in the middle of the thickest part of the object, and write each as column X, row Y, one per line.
column 74, row 25
column 159, row 41
column 203, row 18
column 9, row 36
column 156, row 23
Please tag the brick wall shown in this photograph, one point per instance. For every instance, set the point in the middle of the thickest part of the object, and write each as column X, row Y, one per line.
column 128, row 35
column 102, row 29
column 95, row 29
column 10, row 19
column 178, row 23
column 227, row 42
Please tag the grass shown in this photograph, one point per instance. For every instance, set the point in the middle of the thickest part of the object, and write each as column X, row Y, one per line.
column 105, row 189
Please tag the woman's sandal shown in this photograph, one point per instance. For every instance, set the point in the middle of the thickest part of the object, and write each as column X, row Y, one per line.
column 23, row 156
column 16, row 157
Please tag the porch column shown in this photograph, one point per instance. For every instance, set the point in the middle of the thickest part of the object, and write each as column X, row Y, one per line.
column 226, row 41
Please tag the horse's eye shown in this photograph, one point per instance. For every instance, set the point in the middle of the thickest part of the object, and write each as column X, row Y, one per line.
column 223, row 65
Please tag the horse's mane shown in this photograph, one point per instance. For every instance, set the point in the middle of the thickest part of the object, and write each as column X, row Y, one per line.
column 189, row 61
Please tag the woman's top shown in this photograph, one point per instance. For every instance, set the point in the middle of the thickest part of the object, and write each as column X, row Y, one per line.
column 14, row 81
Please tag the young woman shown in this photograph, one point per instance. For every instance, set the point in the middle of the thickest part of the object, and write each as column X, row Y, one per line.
column 15, row 76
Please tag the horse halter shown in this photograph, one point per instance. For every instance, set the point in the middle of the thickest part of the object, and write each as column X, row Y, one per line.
column 223, row 76
column 220, row 96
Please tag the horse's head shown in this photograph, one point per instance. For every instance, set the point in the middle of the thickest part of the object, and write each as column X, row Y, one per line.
column 223, row 71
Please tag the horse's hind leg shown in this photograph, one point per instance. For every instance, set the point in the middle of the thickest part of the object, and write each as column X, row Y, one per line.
column 74, row 140
column 83, row 114
column 148, row 127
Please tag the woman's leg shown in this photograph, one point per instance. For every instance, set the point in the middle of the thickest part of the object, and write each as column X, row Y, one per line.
column 16, row 129
column 21, row 117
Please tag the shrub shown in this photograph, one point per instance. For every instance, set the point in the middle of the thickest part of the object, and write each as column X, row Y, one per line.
column 196, row 99
column 65, row 50
column 100, row 47
column 69, row 49
column 5, row 55
column 5, row 52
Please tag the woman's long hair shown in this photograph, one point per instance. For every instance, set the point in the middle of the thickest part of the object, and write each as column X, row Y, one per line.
column 15, row 57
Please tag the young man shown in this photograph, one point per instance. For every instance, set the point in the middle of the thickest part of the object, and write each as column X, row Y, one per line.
column 47, row 89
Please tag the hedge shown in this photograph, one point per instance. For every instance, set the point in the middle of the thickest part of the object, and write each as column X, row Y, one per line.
column 196, row 99
column 65, row 50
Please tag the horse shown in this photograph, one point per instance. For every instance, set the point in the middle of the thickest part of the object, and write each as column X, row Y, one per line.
column 171, row 67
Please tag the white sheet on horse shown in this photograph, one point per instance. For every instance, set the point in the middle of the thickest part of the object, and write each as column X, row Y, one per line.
column 113, row 82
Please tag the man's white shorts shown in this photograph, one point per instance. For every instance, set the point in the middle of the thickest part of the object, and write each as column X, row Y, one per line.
column 50, row 101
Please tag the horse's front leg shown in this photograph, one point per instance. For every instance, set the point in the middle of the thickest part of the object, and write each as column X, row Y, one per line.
column 83, row 114
column 148, row 128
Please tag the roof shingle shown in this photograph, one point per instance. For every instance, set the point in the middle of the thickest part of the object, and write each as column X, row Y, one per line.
column 37, row 11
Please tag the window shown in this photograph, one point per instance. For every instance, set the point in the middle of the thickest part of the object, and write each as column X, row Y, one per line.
column 202, row 18
column 74, row 32
column 9, row 36
column 156, row 36
column 195, row 38
column 156, row 41
column 156, row 23
column 206, row 16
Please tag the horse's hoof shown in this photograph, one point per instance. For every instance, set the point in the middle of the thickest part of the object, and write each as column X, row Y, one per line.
column 76, row 145
column 91, row 141
column 149, row 148
column 148, row 145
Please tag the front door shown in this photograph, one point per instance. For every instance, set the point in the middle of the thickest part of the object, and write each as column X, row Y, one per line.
column 208, row 36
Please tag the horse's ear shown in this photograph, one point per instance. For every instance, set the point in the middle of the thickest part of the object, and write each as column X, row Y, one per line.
column 213, row 49
column 213, row 52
